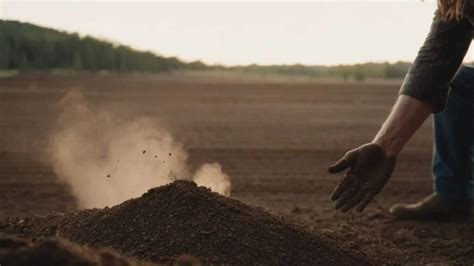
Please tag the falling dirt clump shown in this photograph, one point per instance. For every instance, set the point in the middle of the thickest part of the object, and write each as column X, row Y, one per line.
column 181, row 218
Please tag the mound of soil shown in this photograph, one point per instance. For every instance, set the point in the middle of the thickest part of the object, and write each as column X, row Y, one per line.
column 181, row 218
column 56, row 251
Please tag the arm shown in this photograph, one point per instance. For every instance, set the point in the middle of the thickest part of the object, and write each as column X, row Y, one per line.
column 437, row 62
column 407, row 115
column 426, row 84
column 424, row 90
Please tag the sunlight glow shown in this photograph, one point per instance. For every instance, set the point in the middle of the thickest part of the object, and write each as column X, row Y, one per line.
column 311, row 32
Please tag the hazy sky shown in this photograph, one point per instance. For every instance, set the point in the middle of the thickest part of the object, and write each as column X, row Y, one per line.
column 317, row 32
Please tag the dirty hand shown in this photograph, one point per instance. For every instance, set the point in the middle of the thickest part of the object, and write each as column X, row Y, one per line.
column 369, row 171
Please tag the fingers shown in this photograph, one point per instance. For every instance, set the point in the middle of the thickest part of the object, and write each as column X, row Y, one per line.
column 342, row 186
column 342, row 164
column 366, row 200
column 354, row 200
column 352, row 193
column 346, row 197
column 353, row 196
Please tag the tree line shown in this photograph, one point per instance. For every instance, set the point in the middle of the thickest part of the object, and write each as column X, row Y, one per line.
column 24, row 47
column 346, row 72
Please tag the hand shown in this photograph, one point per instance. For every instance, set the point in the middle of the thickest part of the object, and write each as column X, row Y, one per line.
column 369, row 171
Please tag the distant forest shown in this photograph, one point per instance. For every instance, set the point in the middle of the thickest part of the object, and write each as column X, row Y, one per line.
column 27, row 47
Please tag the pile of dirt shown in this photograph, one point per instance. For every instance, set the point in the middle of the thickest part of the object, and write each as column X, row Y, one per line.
column 181, row 218
column 56, row 251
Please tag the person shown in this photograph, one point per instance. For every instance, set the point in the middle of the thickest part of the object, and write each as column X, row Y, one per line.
column 435, row 83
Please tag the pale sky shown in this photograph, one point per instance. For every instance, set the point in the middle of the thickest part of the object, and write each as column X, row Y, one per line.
column 311, row 32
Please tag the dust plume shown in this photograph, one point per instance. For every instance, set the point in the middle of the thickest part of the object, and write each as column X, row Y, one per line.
column 211, row 175
column 107, row 160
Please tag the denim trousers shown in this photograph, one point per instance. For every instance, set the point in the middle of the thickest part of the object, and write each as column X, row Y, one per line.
column 453, row 154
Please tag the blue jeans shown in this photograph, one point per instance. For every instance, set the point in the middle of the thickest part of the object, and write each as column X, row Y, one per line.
column 453, row 160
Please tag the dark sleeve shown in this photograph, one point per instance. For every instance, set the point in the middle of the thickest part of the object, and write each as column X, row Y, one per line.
column 437, row 62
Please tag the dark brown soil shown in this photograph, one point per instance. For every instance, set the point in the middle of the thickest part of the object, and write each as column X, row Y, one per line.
column 181, row 218
column 274, row 139
column 56, row 251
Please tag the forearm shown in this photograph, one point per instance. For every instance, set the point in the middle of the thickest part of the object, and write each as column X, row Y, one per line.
column 407, row 115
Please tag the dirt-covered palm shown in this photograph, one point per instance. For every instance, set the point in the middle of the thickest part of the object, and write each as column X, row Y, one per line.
column 369, row 171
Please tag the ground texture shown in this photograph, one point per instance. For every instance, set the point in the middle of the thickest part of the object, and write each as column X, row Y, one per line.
column 275, row 140
column 58, row 251
column 181, row 218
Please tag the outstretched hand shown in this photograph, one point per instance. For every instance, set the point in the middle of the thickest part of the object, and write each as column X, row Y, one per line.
column 369, row 171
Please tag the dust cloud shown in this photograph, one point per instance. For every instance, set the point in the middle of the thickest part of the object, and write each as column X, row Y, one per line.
column 107, row 160
column 211, row 175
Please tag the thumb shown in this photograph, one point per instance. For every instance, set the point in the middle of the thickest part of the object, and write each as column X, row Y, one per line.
column 342, row 164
